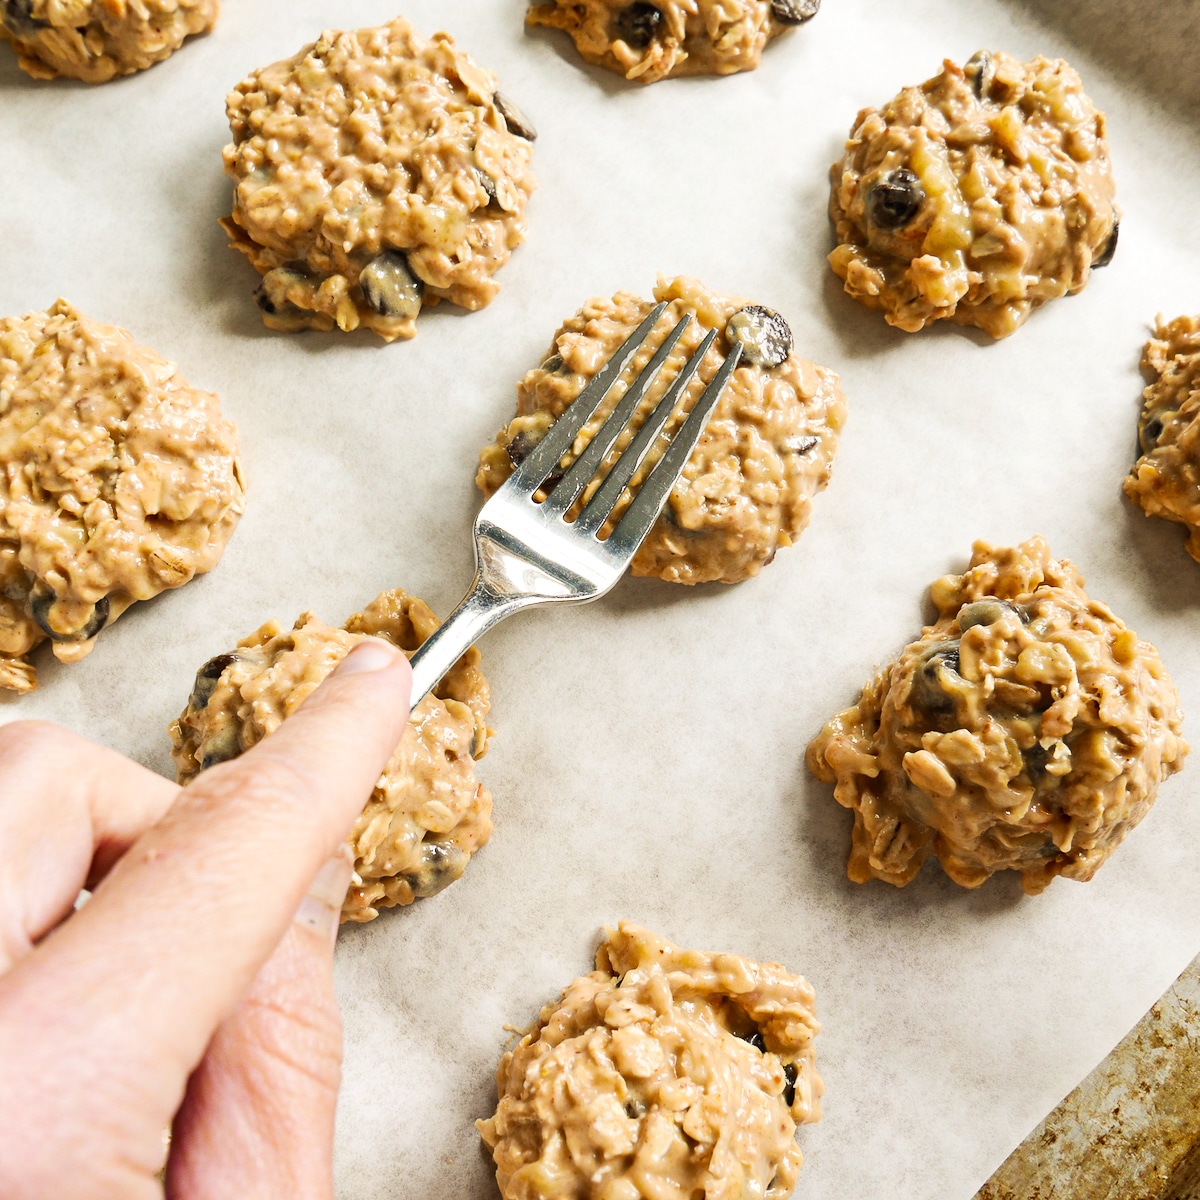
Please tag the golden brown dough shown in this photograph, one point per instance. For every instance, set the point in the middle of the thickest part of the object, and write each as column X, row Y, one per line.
column 767, row 450
column 647, row 42
column 1027, row 730
column 665, row 1073
column 376, row 173
column 975, row 197
column 1165, row 480
column 94, row 40
column 427, row 814
column 117, row 482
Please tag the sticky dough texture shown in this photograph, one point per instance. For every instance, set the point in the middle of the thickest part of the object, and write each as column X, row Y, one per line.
column 692, row 37
column 767, row 450
column 367, row 142
column 427, row 814
column 94, row 40
column 1165, row 480
column 641, row 1081
column 1018, row 196
column 117, row 482
column 1027, row 729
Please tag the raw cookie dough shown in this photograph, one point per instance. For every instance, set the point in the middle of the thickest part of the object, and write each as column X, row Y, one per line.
column 648, row 42
column 665, row 1073
column 117, row 481
column 767, row 450
column 1165, row 481
column 94, row 40
column 975, row 197
column 427, row 814
column 376, row 173
column 1027, row 729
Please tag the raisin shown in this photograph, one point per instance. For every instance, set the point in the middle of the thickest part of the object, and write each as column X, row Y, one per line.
column 929, row 689
column 980, row 71
column 489, row 186
column 222, row 747
column 1110, row 247
column 389, row 286
column 794, row 12
column 895, row 199
column 441, row 864
column 765, row 337
column 17, row 16
column 1150, row 433
column 1036, row 758
column 40, row 604
column 984, row 612
column 206, row 679
column 520, row 447
column 638, row 24
column 518, row 123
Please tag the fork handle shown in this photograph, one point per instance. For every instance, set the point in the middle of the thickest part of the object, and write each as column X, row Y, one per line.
column 482, row 608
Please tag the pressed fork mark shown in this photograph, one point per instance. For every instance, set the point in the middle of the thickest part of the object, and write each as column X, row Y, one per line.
column 527, row 551
column 632, row 426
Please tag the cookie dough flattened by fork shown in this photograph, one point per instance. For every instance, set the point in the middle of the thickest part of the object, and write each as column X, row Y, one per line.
column 95, row 40
column 117, row 482
column 975, row 197
column 376, row 173
column 1165, row 480
column 427, row 814
column 664, row 1072
column 647, row 42
column 1027, row 729
column 767, row 450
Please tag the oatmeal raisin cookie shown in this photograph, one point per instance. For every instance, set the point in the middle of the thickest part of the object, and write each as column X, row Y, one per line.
column 1027, row 729
column 427, row 814
column 664, row 1073
column 376, row 173
column 976, row 196
column 766, row 451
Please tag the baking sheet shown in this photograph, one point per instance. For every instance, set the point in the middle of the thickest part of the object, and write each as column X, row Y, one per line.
column 648, row 762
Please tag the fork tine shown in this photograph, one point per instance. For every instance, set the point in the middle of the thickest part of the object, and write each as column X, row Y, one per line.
column 546, row 454
column 609, row 492
column 567, row 490
column 652, row 495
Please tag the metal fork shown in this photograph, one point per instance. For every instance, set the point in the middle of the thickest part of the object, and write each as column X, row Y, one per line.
column 527, row 552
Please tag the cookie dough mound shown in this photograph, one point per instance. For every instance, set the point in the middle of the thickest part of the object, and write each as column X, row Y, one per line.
column 1026, row 730
column 427, row 814
column 648, row 42
column 663, row 1073
column 1165, row 481
column 975, row 197
column 94, row 40
column 117, row 481
column 376, row 173
column 767, row 450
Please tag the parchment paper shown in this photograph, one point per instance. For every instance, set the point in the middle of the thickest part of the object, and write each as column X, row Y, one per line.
column 648, row 757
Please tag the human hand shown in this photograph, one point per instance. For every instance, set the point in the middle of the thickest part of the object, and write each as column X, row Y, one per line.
column 195, row 986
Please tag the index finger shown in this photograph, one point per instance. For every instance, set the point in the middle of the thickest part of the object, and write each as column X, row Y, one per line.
column 180, row 927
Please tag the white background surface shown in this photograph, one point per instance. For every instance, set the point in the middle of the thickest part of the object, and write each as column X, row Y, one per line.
column 649, row 757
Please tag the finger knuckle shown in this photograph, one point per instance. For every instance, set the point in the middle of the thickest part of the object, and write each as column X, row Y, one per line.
column 302, row 1041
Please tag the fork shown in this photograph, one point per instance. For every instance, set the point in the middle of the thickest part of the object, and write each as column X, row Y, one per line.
column 527, row 552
